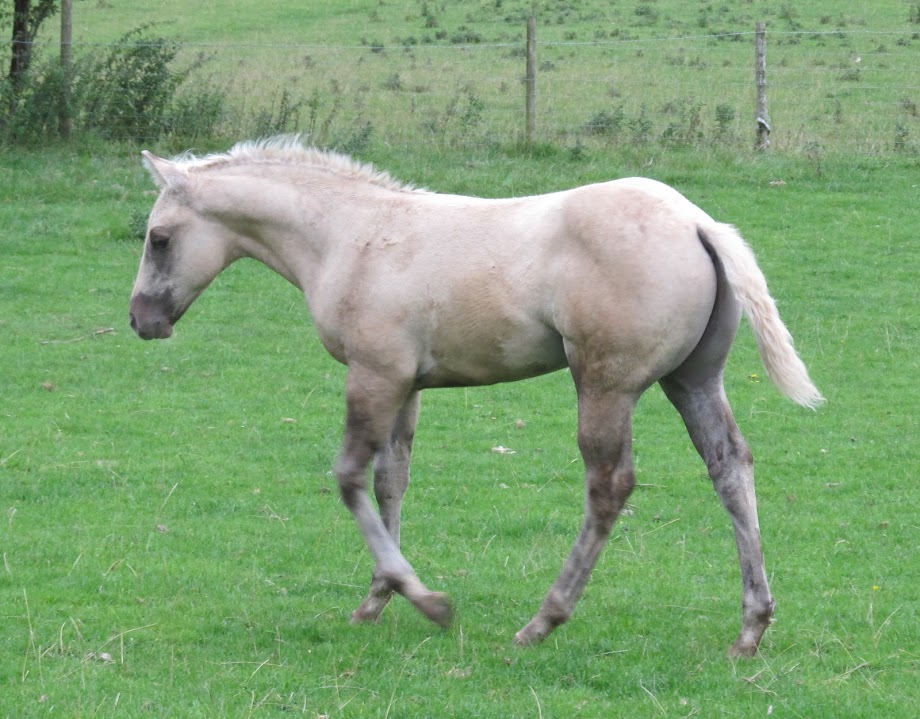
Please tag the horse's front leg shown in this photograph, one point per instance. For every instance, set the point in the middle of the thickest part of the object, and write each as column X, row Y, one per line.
column 391, row 478
column 375, row 405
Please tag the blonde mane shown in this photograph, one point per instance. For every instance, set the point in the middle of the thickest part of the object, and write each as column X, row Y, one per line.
column 290, row 151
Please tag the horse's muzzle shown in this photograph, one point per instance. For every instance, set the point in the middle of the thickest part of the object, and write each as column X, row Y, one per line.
column 151, row 317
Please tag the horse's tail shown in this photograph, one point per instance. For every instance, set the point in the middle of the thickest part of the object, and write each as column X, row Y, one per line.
column 783, row 364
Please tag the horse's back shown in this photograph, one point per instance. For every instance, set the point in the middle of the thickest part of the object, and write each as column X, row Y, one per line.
column 480, row 291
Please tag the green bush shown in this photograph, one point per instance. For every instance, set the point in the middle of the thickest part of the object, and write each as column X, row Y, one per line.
column 608, row 123
column 130, row 93
column 195, row 114
column 34, row 109
column 725, row 116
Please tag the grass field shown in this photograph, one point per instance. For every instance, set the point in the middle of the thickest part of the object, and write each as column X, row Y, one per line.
column 173, row 544
column 609, row 74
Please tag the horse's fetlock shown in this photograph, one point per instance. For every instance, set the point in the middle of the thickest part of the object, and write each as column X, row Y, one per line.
column 555, row 609
column 624, row 482
column 763, row 613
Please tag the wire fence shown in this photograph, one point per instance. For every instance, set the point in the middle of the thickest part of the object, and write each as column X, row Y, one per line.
column 854, row 91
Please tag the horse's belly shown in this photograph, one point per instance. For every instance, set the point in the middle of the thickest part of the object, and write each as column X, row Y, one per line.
column 472, row 359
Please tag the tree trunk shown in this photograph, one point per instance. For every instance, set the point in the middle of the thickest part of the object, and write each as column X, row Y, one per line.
column 66, row 66
column 22, row 42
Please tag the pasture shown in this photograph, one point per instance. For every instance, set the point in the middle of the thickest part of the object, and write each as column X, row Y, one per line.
column 435, row 74
column 173, row 542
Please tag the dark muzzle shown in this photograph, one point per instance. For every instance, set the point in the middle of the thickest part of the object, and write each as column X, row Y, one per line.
column 151, row 317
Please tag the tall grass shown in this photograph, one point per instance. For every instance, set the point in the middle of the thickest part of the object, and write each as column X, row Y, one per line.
column 448, row 75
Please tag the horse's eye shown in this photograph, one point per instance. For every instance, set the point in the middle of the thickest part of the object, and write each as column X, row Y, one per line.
column 159, row 241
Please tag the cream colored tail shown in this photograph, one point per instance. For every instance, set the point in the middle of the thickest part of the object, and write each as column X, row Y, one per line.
column 784, row 366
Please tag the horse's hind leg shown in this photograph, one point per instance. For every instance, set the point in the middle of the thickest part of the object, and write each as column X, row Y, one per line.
column 605, row 441
column 374, row 404
column 709, row 420
column 391, row 478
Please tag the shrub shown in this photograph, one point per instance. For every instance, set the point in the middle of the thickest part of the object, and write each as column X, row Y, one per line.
column 608, row 123
column 462, row 117
column 196, row 114
column 129, row 93
column 647, row 14
column 393, row 82
column 465, row 36
column 35, row 106
column 725, row 116
column 357, row 141
column 641, row 127
column 686, row 129
column 901, row 138
column 281, row 117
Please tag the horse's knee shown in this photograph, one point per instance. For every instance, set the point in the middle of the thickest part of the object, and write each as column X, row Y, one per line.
column 350, row 473
column 350, row 491
column 624, row 481
column 608, row 493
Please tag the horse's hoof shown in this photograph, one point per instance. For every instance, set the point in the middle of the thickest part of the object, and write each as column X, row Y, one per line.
column 742, row 649
column 437, row 607
column 530, row 635
column 368, row 613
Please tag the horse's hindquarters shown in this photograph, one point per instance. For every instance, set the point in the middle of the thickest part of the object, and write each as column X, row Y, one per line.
column 634, row 298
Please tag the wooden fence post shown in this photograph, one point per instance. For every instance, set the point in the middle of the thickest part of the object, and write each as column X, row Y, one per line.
column 763, row 117
column 530, row 79
column 66, row 66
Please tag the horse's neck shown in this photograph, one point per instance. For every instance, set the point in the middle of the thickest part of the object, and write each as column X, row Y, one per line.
column 288, row 224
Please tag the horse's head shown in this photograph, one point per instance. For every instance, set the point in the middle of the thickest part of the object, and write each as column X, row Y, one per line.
column 184, row 250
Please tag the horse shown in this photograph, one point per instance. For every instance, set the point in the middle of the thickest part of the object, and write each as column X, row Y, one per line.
column 627, row 283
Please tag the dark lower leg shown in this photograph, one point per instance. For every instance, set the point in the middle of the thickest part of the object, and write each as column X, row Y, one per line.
column 716, row 436
column 374, row 405
column 391, row 479
column 605, row 443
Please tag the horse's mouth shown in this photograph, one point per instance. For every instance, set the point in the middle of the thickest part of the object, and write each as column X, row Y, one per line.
column 152, row 319
column 159, row 330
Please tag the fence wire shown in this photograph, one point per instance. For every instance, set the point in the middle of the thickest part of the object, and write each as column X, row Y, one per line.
column 845, row 91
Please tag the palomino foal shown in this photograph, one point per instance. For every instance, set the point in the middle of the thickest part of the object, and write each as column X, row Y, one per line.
column 626, row 282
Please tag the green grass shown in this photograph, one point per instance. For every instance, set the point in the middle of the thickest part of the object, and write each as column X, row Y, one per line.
column 449, row 74
column 173, row 544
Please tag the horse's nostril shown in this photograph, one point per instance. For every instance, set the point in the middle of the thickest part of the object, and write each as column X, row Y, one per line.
column 133, row 322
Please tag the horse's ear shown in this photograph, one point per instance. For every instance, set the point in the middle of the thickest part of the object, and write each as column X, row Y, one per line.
column 165, row 173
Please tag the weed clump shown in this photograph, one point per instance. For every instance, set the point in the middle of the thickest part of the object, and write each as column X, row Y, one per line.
column 606, row 123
